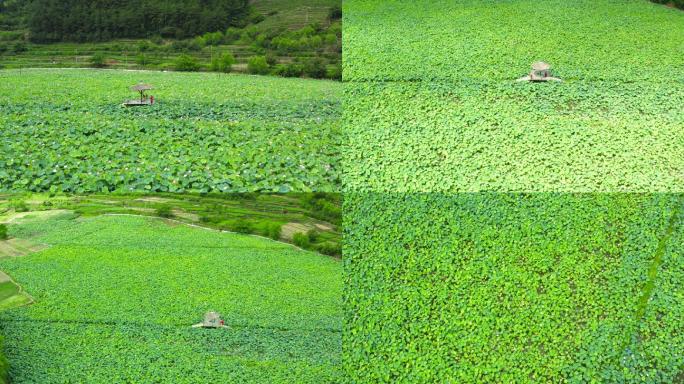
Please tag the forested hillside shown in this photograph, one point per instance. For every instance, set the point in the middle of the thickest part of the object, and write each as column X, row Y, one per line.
column 671, row 3
column 290, row 38
column 102, row 20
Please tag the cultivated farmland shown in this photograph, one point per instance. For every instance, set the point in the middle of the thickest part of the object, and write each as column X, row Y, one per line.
column 119, row 294
column 514, row 288
column 432, row 102
column 65, row 130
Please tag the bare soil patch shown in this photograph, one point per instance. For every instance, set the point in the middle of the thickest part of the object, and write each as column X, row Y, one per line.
column 186, row 215
column 154, row 199
column 288, row 230
column 323, row 227
column 19, row 247
column 19, row 217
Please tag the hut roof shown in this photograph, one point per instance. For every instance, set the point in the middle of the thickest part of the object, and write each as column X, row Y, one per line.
column 141, row 87
column 540, row 66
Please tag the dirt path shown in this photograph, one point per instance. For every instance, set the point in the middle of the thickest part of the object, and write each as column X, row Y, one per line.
column 19, row 216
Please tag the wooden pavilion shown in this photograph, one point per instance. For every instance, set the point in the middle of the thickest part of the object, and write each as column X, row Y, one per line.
column 144, row 100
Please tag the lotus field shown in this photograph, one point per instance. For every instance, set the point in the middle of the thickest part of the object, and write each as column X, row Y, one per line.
column 514, row 288
column 119, row 295
column 66, row 130
column 432, row 102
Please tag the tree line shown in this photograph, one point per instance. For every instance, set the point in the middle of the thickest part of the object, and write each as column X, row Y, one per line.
column 676, row 3
column 102, row 20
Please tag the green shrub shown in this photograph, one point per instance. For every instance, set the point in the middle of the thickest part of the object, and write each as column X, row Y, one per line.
column 289, row 70
column 20, row 47
column 256, row 18
column 143, row 46
column 315, row 68
column 676, row 3
column 98, row 60
column 165, row 211
column 224, row 63
column 141, row 60
column 166, row 67
column 186, row 63
column 258, row 65
column 212, row 38
column 3, row 232
column 329, row 248
column 334, row 72
column 323, row 206
column 271, row 59
column 208, row 219
column 169, row 32
column 157, row 40
column 19, row 206
column 275, row 231
column 232, row 34
column 301, row 240
column 335, row 13
column 239, row 226
column 313, row 235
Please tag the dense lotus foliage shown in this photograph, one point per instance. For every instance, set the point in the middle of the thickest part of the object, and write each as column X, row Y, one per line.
column 622, row 41
column 513, row 288
column 118, row 295
column 431, row 101
column 514, row 137
column 65, row 130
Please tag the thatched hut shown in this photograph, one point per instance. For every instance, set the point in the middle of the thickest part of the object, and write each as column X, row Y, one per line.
column 144, row 100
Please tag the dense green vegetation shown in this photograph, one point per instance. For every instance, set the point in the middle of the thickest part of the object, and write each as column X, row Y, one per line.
column 672, row 3
column 314, row 216
column 119, row 294
column 514, row 288
column 101, row 20
column 514, row 137
column 205, row 133
column 618, row 41
column 298, row 39
column 445, row 113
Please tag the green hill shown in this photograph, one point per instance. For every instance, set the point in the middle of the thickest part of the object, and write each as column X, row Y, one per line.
column 307, row 53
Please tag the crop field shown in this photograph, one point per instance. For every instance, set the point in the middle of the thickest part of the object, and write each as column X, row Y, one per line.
column 119, row 295
column 432, row 103
column 65, row 130
column 293, row 14
column 281, row 217
column 514, row 288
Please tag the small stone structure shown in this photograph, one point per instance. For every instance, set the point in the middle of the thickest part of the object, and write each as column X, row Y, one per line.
column 144, row 100
column 541, row 71
column 211, row 320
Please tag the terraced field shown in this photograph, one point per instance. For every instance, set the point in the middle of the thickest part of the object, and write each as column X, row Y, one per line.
column 293, row 14
column 432, row 103
column 514, row 288
column 119, row 295
column 65, row 130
